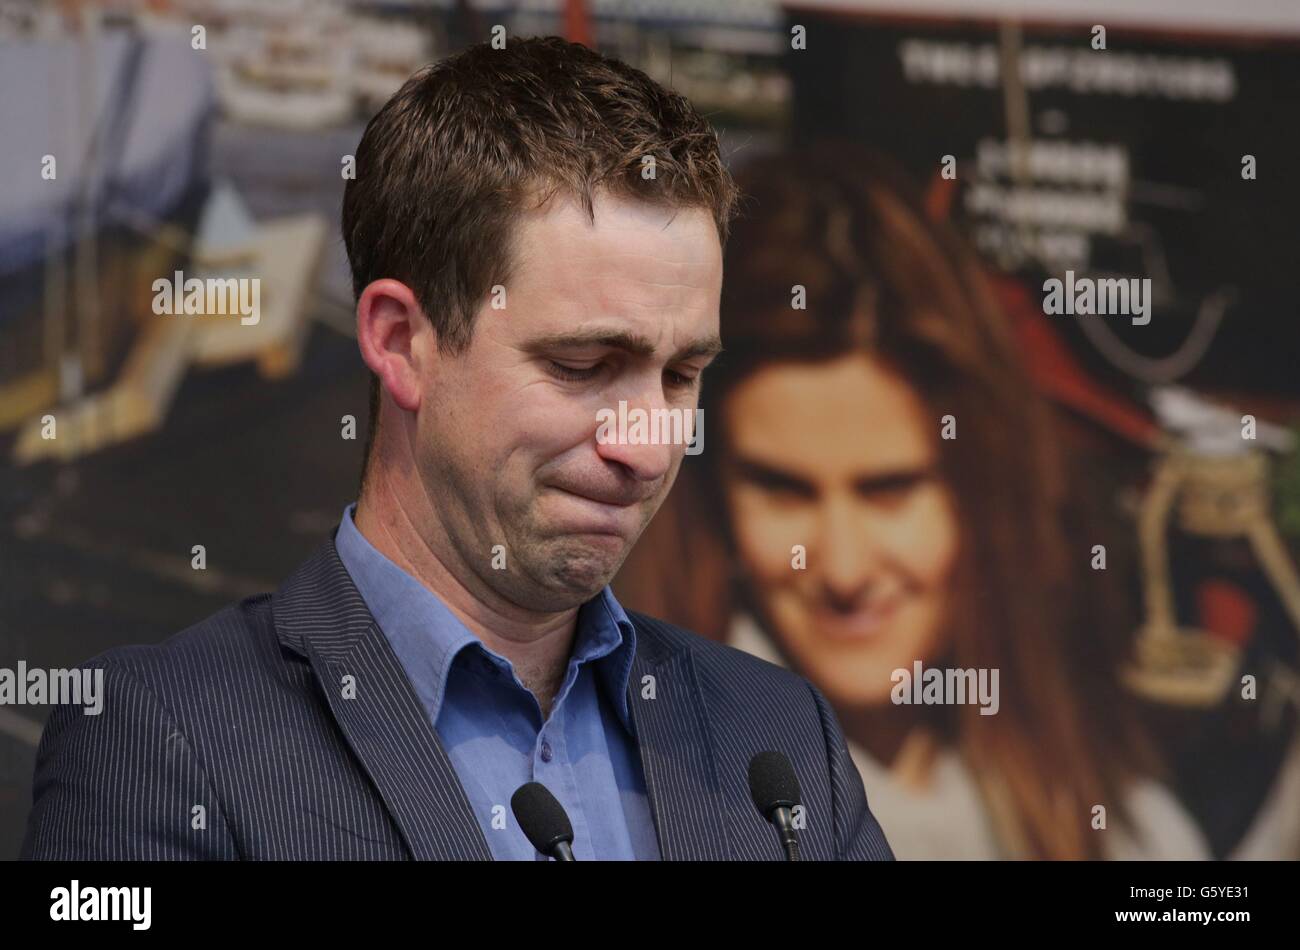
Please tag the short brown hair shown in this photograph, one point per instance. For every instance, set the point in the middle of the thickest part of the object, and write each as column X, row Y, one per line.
column 449, row 162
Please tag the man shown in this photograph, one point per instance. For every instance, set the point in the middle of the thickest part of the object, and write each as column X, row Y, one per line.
column 535, row 237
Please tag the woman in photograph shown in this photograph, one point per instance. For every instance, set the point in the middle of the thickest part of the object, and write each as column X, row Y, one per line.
column 879, row 486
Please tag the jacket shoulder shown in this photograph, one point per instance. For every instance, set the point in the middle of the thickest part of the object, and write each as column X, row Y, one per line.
column 234, row 642
column 117, row 777
column 744, row 679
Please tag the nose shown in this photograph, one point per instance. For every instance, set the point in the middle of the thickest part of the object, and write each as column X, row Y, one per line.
column 642, row 436
column 847, row 550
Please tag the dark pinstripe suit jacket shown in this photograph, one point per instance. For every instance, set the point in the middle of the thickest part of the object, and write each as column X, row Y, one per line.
column 244, row 715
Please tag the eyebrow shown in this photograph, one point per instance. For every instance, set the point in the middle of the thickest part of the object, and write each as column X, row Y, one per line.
column 767, row 474
column 632, row 343
column 764, row 474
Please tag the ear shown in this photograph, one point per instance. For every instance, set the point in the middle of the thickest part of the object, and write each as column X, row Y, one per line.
column 393, row 333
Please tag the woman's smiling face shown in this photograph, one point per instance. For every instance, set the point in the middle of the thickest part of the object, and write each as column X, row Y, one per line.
column 840, row 457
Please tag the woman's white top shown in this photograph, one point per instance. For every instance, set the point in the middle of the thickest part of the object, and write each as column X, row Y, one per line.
column 949, row 819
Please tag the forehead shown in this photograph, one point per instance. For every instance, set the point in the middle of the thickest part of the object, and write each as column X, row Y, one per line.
column 846, row 417
column 635, row 258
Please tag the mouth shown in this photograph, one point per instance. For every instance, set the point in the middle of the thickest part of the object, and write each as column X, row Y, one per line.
column 594, row 516
column 866, row 623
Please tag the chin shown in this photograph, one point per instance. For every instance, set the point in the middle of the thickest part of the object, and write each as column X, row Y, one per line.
column 852, row 696
column 852, row 687
column 580, row 569
column 852, row 674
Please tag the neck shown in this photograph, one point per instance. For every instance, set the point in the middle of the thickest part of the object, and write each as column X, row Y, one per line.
column 401, row 523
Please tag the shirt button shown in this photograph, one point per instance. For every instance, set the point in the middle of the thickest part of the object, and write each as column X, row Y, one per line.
column 546, row 751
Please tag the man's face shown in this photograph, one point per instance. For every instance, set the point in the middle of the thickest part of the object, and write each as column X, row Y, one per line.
column 622, row 310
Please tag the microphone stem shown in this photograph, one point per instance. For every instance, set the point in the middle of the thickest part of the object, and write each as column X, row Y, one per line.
column 785, row 829
column 562, row 851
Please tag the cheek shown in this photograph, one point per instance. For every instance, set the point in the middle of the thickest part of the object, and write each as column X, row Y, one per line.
column 537, row 424
column 927, row 537
column 765, row 533
column 551, row 428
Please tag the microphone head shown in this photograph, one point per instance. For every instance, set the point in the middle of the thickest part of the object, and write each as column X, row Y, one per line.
column 772, row 783
column 541, row 817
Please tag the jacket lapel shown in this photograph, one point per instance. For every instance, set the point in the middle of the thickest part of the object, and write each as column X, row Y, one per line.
column 320, row 614
column 677, row 751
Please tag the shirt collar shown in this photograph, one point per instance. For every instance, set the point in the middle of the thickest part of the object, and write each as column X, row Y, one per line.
column 424, row 632
column 602, row 621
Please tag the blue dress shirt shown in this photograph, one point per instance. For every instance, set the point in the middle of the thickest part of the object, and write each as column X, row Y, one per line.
column 491, row 725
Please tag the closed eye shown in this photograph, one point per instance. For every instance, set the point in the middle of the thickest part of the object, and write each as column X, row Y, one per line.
column 573, row 374
column 578, row 374
column 893, row 485
column 775, row 482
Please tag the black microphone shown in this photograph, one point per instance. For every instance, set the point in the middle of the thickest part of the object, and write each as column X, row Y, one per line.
column 775, row 791
column 543, row 820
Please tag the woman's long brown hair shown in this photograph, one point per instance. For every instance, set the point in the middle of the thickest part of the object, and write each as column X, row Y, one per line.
column 884, row 279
